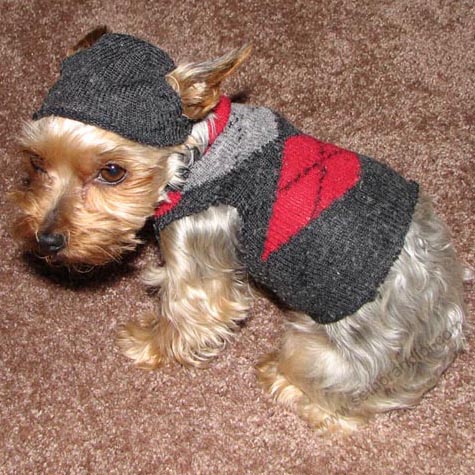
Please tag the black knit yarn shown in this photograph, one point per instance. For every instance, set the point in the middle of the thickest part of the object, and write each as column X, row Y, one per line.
column 119, row 84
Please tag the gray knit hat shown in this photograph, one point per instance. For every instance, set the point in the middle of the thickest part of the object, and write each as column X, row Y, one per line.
column 119, row 84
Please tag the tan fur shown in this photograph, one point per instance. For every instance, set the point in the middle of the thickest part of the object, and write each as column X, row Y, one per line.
column 89, row 39
column 203, row 293
column 199, row 84
column 336, row 376
column 100, row 221
column 387, row 354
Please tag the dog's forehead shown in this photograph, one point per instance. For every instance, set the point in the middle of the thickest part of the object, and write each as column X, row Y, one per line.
column 63, row 142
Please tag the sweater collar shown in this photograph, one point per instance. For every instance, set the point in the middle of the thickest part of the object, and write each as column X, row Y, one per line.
column 216, row 123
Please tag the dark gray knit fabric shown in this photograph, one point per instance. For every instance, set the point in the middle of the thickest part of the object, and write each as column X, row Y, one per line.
column 337, row 262
column 119, row 84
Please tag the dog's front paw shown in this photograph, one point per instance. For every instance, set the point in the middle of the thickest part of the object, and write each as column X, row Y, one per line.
column 139, row 342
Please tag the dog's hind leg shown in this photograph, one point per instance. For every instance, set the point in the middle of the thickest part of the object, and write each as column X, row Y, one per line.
column 203, row 293
column 303, row 373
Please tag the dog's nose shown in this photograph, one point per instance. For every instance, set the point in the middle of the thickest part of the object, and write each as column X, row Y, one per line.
column 51, row 242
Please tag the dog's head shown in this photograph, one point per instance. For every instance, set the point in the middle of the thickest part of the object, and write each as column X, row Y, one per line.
column 112, row 133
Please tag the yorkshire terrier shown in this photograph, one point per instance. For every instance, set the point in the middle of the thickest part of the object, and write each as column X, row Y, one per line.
column 238, row 196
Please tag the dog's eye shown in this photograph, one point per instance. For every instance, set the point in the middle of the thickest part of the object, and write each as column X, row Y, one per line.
column 37, row 163
column 112, row 174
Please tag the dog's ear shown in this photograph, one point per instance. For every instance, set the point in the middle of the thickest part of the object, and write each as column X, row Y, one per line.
column 198, row 84
column 89, row 39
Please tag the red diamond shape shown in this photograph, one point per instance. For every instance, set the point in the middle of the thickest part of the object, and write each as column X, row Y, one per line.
column 313, row 175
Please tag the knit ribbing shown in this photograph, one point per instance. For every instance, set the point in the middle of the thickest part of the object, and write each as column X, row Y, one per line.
column 119, row 84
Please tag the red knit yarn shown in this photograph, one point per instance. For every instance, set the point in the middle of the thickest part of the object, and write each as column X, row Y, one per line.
column 313, row 175
column 221, row 116
column 174, row 198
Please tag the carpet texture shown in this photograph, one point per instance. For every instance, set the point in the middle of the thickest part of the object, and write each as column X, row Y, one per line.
column 393, row 80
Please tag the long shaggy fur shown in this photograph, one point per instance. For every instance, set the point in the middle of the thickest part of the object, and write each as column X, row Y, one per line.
column 203, row 293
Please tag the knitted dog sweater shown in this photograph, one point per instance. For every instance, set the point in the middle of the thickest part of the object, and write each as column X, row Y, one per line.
column 320, row 226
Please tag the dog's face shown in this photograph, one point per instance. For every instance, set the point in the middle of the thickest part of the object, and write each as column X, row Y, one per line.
column 88, row 191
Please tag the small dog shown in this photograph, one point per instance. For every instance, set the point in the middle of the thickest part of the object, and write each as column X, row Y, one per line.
column 352, row 250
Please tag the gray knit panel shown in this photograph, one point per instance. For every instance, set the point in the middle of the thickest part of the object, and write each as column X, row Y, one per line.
column 249, row 130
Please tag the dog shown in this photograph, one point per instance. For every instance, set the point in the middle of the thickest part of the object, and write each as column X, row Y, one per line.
column 242, row 201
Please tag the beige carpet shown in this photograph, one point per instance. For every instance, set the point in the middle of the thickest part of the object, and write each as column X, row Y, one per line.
column 391, row 79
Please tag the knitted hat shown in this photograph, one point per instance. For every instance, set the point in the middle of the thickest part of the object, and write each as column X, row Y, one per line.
column 119, row 84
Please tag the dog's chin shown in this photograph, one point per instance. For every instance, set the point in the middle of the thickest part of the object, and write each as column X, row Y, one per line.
column 69, row 258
